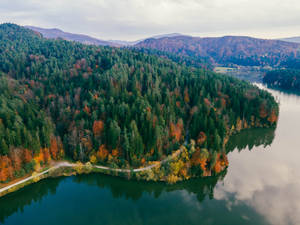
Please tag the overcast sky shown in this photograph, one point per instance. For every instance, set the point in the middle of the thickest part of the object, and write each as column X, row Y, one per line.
column 135, row 19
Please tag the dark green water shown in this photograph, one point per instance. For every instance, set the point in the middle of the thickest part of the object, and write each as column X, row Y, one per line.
column 261, row 186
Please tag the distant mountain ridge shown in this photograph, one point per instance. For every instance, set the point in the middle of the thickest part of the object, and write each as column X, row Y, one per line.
column 240, row 50
column 131, row 43
column 291, row 39
column 227, row 50
column 54, row 33
column 57, row 33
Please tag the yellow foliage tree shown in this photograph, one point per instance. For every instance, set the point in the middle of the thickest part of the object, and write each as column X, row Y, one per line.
column 171, row 178
column 79, row 167
column 35, row 178
column 37, row 166
column 88, row 167
column 93, row 159
column 176, row 167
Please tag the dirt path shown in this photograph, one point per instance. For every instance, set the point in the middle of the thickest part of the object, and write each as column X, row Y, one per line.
column 67, row 164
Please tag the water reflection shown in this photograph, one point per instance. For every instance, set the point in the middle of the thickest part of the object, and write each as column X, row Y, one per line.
column 268, row 179
column 134, row 190
column 248, row 139
column 15, row 202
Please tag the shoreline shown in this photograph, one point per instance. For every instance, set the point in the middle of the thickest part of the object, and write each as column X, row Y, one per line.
column 80, row 168
column 77, row 168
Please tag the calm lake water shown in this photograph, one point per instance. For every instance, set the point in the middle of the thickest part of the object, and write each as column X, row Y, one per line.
column 261, row 186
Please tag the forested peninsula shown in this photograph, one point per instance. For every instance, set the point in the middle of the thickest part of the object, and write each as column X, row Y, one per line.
column 288, row 79
column 117, row 107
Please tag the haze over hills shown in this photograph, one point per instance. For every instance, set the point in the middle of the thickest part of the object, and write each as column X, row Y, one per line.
column 57, row 33
column 131, row 43
column 292, row 39
column 85, row 39
column 226, row 50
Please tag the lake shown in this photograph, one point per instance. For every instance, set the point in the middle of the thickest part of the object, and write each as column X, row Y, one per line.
column 261, row 186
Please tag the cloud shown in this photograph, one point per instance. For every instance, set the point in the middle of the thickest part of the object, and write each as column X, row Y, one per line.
column 268, row 179
column 267, row 184
column 132, row 19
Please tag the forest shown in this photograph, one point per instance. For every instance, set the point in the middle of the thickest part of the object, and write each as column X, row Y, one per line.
column 115, row 106
column 229, row 50
column 288, row 79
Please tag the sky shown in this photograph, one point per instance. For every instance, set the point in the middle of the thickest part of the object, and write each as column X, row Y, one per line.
column 137, row 19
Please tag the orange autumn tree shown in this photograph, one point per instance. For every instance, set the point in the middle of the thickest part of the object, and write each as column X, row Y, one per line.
column 102, row 152
column 115, row 152
column 27, row 156
column 98, row 127
column 273, row 117
column 40, row 158
column 221, row 163
column 218, row 168
column 200, row 158
column 46, row 154
column 3, row 175
column 176, row 130
column 6, row 168
column 13, row 163
column 54, row 148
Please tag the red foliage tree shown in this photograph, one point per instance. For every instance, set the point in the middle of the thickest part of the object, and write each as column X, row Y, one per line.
column 15, row 156
column 27, row 156
column 273, row 117
column 53, row 148
column 46, row 154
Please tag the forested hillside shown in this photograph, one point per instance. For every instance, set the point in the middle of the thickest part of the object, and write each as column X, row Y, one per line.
column 190, row 61
column 116, row 107
column 245, row 51
column 25, row 132
column 286, row 79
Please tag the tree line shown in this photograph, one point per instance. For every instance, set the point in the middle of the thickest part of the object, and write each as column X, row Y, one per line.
column 288, row 79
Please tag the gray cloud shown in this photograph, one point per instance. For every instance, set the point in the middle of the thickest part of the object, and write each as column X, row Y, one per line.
column 133, row 19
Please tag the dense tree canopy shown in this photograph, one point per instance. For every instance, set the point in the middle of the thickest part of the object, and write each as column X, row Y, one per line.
column 116, row 106
column 25, row 130
column 288, row 79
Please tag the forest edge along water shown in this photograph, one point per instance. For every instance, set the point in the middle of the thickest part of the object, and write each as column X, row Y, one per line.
column 88, row 167
column 260, row 186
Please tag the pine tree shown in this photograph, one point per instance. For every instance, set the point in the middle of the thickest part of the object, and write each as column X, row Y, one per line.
column 136, row 140
column 126, row 144
column 113, row 134
column 4, row 150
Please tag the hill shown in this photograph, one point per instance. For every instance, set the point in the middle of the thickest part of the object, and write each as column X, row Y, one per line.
column 121, row 108
column 228, row 50
column 57, row 33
